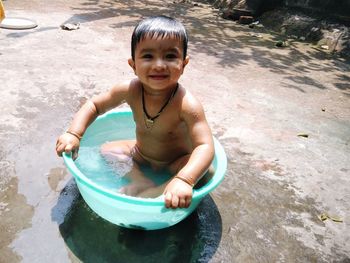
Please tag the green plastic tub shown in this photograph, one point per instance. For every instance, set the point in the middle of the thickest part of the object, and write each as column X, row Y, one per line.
column 129, row 211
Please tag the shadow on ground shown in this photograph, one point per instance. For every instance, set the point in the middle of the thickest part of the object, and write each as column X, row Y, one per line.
column 93, row 239
column 219, row 39
column 216, row 37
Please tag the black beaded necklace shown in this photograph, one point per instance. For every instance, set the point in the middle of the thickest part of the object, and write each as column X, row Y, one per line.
column 149, row 121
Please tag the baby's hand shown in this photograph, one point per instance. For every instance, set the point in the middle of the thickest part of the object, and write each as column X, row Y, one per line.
column 178, row 194
column 68, row 143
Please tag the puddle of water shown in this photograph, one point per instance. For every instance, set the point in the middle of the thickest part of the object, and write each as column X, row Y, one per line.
column 55, row 176
column 15, row 213
column 93, row 239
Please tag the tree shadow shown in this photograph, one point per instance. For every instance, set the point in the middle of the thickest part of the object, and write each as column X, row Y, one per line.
column 93, row 239
column 344, row 82
column 214, row 36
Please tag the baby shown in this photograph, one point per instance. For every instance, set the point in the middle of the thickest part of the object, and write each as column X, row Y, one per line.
column 171, row 129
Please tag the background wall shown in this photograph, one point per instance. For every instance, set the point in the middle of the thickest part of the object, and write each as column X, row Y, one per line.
column 339, row 7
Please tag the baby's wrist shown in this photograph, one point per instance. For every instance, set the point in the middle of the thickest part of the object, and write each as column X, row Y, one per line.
column 186, row 180
column 75, row 134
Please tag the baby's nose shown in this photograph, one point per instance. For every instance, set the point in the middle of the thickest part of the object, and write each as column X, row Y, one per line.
column 159, row 63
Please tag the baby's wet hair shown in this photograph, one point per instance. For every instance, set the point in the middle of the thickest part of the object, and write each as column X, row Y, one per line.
column 159, row 27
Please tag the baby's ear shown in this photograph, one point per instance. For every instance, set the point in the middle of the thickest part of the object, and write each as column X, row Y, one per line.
column 132, row 64
column 186, row 60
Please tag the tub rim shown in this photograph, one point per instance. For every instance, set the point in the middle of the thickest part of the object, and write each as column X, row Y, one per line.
column 80, row 178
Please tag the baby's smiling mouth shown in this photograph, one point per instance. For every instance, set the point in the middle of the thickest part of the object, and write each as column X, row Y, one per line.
column 158, row 76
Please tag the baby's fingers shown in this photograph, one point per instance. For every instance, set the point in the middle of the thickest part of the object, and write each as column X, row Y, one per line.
column 185, row 201
column 60, row 149
column 175, row 201
column 188, row 201
column 182, row 203
column 69, row 148
column 72, row 149
column 167, row 199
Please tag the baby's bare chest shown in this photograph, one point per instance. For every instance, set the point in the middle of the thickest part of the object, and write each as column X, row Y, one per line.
column 162, row 130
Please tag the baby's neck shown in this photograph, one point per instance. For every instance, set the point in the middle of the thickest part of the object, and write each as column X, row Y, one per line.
column 159, row 94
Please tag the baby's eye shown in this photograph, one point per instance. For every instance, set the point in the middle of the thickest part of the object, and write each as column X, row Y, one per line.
column 147, row 56
column 171, row 56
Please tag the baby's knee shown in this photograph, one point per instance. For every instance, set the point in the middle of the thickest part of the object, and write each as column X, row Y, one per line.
column 117, row 160
column 107, row 148
column 113, row 153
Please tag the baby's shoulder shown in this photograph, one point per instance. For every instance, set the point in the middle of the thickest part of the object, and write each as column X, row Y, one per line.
column 127, row 88
column 189, row 99
column 125, row 85
column 135, row 84
column 190, row 104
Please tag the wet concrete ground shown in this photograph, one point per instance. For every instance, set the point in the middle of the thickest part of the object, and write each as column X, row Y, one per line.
column 258, row 98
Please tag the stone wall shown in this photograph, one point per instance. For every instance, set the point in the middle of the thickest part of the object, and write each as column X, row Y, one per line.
column 306, row 20
column 340, row 7
column 256, row 7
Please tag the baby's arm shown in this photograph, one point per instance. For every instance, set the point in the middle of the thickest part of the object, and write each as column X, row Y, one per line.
column 70, row 140
column 178, row 193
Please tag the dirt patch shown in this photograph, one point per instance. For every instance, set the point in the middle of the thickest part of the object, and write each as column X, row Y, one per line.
column 328, row 34
column 328, row 31
column 12, row 205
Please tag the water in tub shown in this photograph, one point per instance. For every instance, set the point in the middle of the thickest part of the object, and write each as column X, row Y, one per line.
column 111, row 175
